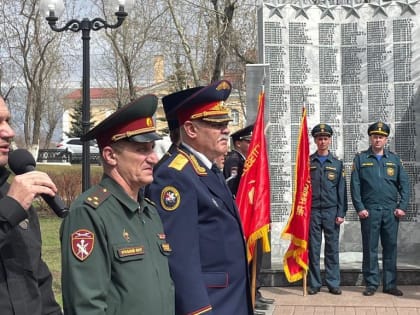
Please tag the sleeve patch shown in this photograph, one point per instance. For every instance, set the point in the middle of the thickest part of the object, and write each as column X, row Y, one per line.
column 82, row 242
column 170, row 198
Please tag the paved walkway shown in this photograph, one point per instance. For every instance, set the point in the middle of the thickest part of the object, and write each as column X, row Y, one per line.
column 290, row 301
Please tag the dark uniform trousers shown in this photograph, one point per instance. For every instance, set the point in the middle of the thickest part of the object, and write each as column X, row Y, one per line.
column 324, row 220
column 381, row 222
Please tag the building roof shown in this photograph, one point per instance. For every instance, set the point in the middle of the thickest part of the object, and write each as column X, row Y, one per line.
column 95, row 93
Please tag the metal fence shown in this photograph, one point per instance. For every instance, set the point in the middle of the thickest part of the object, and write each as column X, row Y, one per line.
column 63, row 156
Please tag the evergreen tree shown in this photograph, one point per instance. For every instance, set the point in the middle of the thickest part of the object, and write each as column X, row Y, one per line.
column 76, row 128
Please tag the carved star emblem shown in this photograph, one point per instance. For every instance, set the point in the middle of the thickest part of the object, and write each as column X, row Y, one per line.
column 275, row 9
column 327, row 9
column 407, row 6
column 352, row 9
column 380, row 7
column 301, row 9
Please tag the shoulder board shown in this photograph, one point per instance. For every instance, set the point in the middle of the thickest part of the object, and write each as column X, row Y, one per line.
column 97, row 197
column 183, row 158
column 150, row 201
column 179, row 162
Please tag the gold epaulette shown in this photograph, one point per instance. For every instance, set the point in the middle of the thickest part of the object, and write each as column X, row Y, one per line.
column 179, row 162
column 183, row 158
column 97, row 197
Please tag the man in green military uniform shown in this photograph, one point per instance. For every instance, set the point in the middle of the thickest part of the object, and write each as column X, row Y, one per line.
column 114, row 250
column 380, row 193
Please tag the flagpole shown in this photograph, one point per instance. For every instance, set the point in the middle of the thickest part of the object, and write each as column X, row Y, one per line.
column 305, row 272
column 254, row 275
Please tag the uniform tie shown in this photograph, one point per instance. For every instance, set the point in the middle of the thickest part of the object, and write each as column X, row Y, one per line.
column 218, row 173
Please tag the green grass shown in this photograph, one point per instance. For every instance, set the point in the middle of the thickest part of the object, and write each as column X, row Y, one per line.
column 51, row 252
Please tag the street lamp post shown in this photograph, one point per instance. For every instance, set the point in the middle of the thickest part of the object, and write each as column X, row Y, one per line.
column 52, row 10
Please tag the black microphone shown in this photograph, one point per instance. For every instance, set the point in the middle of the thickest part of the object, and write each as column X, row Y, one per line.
column 21, row 161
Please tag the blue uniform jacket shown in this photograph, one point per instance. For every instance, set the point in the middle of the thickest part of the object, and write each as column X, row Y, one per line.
column 208, row 262
column 381, row 184
column 328, row 184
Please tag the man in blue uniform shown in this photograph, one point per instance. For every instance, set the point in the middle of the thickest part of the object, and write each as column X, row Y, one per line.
column 329, row 206
column 114, row 249
column 380, row 193
column 208, row 263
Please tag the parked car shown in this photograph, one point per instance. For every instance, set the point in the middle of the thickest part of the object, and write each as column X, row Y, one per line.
column 73, row 148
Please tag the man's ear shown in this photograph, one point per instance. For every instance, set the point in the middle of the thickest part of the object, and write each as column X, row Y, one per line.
column 108, row 155
column 190, row 129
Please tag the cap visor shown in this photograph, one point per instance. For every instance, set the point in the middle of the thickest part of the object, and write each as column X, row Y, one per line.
column 217, row 119
column 145, row 137
column 326, row 134
column 378, row 133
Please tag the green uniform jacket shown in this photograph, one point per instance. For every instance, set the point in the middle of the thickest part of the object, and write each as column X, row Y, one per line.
column 379, row 184
column 114, row 256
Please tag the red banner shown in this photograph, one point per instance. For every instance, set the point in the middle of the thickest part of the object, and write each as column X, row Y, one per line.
column 253, row 196
column 295, row 261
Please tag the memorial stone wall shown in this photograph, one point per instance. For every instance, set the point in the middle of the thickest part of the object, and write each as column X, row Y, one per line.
column 351, row 65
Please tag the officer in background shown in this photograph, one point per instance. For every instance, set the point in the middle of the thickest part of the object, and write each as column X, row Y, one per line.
column 380, row 192
column 114, row 249
column 233, row 169
column 235, row 159
column 329, row 207
column 208, row 263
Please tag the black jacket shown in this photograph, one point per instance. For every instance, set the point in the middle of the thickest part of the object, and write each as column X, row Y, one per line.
column 233, row 169
column 25, row 280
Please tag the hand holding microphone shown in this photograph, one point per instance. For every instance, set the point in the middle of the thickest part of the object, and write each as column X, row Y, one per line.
column 29, row 183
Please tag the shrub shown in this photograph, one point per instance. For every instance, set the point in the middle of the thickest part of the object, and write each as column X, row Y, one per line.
column 68, row 179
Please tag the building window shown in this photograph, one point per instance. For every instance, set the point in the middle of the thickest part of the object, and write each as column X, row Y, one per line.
column 235, row 117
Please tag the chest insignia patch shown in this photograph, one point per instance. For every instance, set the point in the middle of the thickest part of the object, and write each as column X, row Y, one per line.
column 331, row 175
column 367, row 164
column 390, row 171
column 170, row 198
column 82, row 242
column 130, row 251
